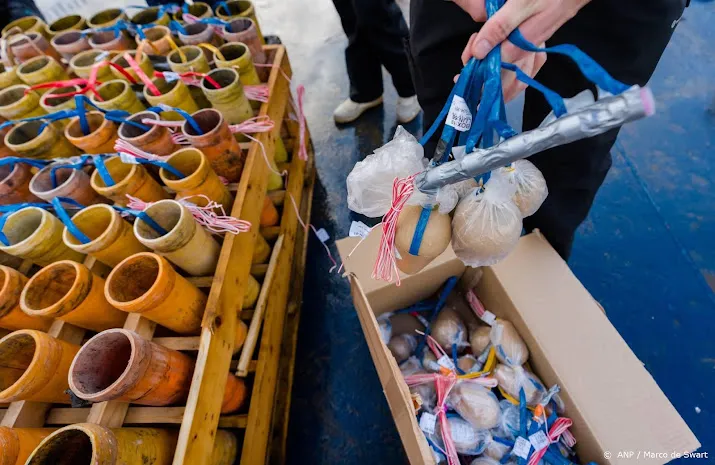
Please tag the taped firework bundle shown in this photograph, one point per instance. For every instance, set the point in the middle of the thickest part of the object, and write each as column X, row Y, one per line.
column 476, row 398
column 479, row 163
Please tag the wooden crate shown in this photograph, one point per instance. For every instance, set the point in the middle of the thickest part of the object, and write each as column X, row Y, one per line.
column 199, row 418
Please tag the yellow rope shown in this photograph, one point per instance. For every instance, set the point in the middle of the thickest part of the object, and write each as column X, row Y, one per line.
column 175, row 47
column 215, row 51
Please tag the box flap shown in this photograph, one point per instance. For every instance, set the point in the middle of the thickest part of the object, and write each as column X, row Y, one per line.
column 615, row 395
column 391, row 297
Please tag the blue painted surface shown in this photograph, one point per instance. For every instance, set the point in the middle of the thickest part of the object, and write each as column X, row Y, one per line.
column 643, row 252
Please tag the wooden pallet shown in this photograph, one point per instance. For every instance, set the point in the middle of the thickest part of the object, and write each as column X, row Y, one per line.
column 199, row 418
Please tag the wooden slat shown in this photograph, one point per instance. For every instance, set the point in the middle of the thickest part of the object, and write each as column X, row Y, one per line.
column 111, row 414
column 179, row 343
column 134, row 415
column 260, row 411
column 201, row 417
column 257, row 319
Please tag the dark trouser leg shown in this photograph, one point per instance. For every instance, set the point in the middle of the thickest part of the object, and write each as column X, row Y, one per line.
column 629, row 49
column 376, row 31
column 575, row 172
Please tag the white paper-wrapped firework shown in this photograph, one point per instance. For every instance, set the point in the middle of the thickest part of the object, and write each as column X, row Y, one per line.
column 426, row 391
column 476, row 404
column 479, row 338
column 513, row 379
column 486, row 224
column 448, row 329
column 531, row 190
column 510, row 347
column 402, row 346
column 484, row 460
column 437, row 232
column 429, row 361
column 467, row 363
column 467, row 439
column 496, row 450
column 509, row 422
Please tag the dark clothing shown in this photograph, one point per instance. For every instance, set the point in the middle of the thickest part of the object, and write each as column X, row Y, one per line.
column 626, row 38
column 377, row 34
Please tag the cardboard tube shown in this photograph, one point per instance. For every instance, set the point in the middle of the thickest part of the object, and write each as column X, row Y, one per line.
column 144, row 64
column 52, row 104
column 81, row 64
column 111, row 236
column 69, row 291
column 8, row 77
column 237, row 55
column 70, row 43
column 90, row 444
column 129, row 179
column 27, row 140
column 110, row 41
column 240, row 9
column 200, row 33
column 39, row 70
column 146, row 283
column 65, row 23
column 4, row 151
column 16, row 104
column 34, row 366
column 199, row 9
column 229, row 99
column 71, row 183
column 244, row 30
column 15, row 184
column 106, row 18
column 186, row 244
column 200, row 179
column 196, row 60
column 118, row 95
column 11, row 315
column 36, row 235
column 150, row 16
column 159, row 37
column 261, row 250
column 156, row 140
column 217, row 143
column 174, row 94
column 31, row 45
column 18, row 443
column 26, row 24
column 102, row 134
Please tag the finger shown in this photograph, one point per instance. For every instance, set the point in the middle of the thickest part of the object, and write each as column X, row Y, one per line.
column 515, row 88
column 467, row 52
column 498, row 27
column 456, row 77
column 475, row 8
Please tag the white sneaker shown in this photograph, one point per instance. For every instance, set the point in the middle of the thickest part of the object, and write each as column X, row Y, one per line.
column 407, row 109
column 349, row 111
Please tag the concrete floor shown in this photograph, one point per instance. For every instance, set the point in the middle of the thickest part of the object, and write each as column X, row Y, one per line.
column 646, row 251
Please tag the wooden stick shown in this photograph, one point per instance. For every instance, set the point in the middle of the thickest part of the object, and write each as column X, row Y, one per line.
column 255, row 327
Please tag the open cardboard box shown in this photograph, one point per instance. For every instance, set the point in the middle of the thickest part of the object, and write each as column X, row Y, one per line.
column 617, row 408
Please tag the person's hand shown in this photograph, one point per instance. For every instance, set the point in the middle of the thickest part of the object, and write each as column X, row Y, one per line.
column 537, row 21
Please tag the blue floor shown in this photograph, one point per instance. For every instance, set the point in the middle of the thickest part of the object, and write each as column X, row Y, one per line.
column 646, row 252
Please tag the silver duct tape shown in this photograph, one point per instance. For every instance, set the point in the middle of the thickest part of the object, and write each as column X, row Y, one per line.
column 601, row 116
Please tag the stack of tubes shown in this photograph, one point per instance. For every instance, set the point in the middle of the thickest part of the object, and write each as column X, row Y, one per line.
column 104, row 155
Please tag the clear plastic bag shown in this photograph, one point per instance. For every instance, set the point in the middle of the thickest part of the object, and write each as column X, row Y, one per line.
column 484, row 460
column 496, row 450
column 467, row 439
column 513, row 379
column 479, row 339
column 476, row 404
column 370, row 181
column 410, row 367
column 531, row 190
column 486, row 225
column 383, row 322
column 468, row 363
column 510, row 347
column 426, row 391
column 402, row 346
column 449, row 329
column 429, row 361
column 509, row 422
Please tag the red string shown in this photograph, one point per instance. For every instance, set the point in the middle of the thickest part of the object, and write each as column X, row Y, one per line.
column 259, row 92
column 443, row 386
column 141, row 74
column 559, row 427
column 302, row 149
column 385, row 263
column 475, row 304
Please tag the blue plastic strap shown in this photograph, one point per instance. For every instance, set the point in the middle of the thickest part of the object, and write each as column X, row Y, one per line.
column 185, row 8
column 103, row 171
column 162, row 164
column 186, row 115
column 8, row 209
column 175, row 26
column 554, row 99
column 223, row 5
column 82, row 114
column 441, row 301
column 455, row 361
column 52, row 117
column 75, row 166
column 214, row 21
column 420, row 230
column 144, row 217
column 65, row 218
column 27, row 161
column 116, row 116
column 588, row 66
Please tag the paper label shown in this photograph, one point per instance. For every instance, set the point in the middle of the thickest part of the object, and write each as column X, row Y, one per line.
column 446, row 362
column 359, row 229
column 521, row 448
column 322, row 234
column 128, row 159
column 459, row 116
column 462, row 432
column 101, row 56
column 428, row 422
column 539, row 441
column 170, row 76
column 489, row 318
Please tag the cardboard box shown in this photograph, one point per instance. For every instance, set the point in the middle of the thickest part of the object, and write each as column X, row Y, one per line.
column 619, row 414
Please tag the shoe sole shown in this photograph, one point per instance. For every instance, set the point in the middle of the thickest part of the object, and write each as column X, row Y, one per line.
column 405, row 121
column 370, row 105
